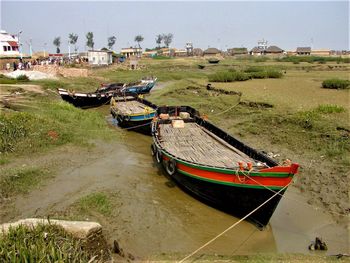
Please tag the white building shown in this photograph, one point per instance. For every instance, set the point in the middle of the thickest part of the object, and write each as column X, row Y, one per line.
column 131, row 51
column 9, row 45
column 100, row 57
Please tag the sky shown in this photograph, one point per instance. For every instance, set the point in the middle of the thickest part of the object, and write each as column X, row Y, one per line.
column 286, row 24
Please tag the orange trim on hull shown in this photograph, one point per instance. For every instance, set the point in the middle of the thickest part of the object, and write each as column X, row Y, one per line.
column 232, row 178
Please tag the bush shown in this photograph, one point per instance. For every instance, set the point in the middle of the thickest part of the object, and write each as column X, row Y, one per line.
column 259, row 75
column 312, row 59
column 274, row 74
column 22, row 78
column 228, row 76
column 336, row 84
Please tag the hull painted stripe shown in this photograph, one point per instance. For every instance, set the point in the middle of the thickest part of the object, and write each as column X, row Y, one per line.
column 230, row 171
column 234, row 180
column 227, row 182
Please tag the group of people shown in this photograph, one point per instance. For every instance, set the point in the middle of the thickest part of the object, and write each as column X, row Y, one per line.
column 28, row 64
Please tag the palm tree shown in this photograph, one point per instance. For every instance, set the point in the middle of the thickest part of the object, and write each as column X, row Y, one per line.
column 111, row 41
column 168, row 38
column 73, row 38
column 90, row 40
column 139, row 39
column 57, row 43
column 159, row 40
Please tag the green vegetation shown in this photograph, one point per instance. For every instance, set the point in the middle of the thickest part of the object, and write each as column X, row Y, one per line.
column 52, row 123
column 336, row 84
column 23, row 78
column 249, row 73
column 19, row 181
column 44, row 243
column 228, row 76
column 97, row 202
column 7, row 80
column 312, row 59
column 330, row 108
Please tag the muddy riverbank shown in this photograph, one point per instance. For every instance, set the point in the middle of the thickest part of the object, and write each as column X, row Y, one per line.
column 152, row 216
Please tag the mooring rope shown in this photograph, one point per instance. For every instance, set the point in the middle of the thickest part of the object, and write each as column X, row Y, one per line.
column 232, row 226
column 295, row 200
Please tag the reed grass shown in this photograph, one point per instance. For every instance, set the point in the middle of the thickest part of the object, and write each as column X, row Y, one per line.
column 44, row 243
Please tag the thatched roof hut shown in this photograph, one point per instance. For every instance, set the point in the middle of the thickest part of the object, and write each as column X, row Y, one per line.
column 274, row 50
column 211, row 51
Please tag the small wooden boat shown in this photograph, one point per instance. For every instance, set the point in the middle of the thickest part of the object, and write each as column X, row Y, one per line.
column 104, row 94
column 216, row 167
column 133, row 112
column 213, row 60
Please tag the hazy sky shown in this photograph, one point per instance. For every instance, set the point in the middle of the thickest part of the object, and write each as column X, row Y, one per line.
column 223, row 25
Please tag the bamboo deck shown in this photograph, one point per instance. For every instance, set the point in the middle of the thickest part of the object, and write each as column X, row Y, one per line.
column 196, row 144
column 130, row 107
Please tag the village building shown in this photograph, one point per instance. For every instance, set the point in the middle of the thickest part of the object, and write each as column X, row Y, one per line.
column 131, row 51
column 320, row 52
column 182, row 53
column 303, row 51
column 260, row 49
column 274, row 50
column 211, row 52
column 100, row 57
column 236, row 51
column 9, row 45
column 197, row 52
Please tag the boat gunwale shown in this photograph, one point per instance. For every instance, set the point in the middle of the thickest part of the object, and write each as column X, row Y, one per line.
column 235, row 170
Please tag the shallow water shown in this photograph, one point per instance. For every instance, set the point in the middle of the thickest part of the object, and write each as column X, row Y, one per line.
column 153, row 216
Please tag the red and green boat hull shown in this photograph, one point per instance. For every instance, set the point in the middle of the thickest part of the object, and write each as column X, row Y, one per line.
column 231, row 191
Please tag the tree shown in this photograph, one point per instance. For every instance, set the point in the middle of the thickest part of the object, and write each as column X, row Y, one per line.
column 139, row 39
column 90, row 40
column 73, row 38
column 57, row 43
column 159, row 39
column 167, row 38
column 111, row 41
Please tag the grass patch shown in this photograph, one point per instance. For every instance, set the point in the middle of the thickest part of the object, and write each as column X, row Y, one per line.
column 312, row 59
column 44, row 243
column 228, row 76
column 20, row 181
column 97, row 202
column 250, row 73
column 336, row 84
column 52, row 123
column 329, row 108
column 19, row 79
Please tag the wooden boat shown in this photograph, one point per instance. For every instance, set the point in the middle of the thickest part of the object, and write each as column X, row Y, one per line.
column 104, row 94
column 133, row 112
column 216, row 167
column 213, row 60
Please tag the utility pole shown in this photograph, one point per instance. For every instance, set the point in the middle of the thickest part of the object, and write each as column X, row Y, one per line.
column 19, row 44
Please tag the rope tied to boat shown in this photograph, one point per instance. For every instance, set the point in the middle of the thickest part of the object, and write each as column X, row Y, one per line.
column 233, row 225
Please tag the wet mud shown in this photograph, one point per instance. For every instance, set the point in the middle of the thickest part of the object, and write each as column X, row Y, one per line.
column 153, row 216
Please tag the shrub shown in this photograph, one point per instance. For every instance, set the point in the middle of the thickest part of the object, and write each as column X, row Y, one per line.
column 274, row 74
column 22, row 78
column 228, row 76
column 259, row 75
column 336, row 84
column 254, row 69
